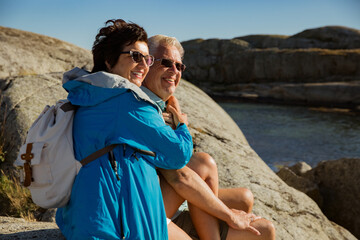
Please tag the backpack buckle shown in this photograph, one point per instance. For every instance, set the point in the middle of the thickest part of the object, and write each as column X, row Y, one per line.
column 27, row 156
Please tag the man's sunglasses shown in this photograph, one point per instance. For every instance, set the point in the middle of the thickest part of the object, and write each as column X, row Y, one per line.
column 138, row 56
column 168, row 63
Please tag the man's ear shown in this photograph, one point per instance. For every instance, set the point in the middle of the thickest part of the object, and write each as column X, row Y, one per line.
column 108, row 67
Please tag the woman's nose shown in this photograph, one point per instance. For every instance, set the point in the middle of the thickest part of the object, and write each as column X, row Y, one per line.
column 143, row 63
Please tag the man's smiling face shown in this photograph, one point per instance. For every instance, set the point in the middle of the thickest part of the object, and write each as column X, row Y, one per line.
column 160, row 79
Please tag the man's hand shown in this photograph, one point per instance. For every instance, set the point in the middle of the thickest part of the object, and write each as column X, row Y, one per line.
column 241, row 220
column 173, row 114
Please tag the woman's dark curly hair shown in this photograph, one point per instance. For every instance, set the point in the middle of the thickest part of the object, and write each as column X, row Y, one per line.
column 111, row 40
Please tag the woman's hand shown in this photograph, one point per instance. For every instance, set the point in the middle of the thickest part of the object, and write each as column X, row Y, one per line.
column 169, row 120
column 178, row 117
column 172, row 101
column 242, row 220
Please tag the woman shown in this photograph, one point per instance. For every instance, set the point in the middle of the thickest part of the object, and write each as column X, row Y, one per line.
column 118, row 195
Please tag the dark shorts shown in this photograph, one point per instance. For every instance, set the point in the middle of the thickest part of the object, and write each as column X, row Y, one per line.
column 184, row 222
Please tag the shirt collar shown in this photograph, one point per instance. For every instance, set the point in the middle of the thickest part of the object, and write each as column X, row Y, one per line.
column 155, row 98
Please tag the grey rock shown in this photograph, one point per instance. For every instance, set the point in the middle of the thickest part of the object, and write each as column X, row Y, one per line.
column 300, row 168
column 334, row 185
column 335, row 36
column 333, row 94
column 337, row 93
column 49, row 215
column 24, row 53
column 211, row 57
column 330, row 37
column 271, row 65
column 302, row 184
column 310, row 71
column 339, row 184
column 264, row 41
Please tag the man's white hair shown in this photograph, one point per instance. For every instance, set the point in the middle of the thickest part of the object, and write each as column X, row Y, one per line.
column 161, row 40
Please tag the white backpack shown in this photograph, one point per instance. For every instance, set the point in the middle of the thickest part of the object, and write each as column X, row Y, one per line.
column 47, row 157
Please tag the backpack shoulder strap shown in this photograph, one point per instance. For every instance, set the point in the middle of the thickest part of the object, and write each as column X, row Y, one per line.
column 97, row 154
column 68, row 107
column 109, row 148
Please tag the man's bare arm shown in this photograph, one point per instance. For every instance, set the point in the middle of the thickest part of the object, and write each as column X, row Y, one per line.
column 190, row 186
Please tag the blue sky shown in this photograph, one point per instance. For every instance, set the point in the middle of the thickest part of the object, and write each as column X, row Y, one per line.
column 77, row 22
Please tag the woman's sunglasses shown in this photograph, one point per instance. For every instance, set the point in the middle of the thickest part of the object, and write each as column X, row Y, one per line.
column 168, row 63
column 138, row 56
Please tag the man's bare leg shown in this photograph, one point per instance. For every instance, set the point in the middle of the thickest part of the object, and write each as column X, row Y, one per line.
column 172, row 201
column 265, row 227
column 207, row 226
column 239, row 198
column 176, row 233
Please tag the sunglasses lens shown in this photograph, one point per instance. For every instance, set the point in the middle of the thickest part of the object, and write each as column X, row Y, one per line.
column 180, row 67
column 149, row 60
column 166, row 63
column 136, row 56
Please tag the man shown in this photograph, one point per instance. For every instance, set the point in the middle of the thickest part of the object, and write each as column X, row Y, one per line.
column 198, row 181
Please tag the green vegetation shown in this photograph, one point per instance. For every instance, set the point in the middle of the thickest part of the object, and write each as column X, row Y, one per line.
column 15, row 200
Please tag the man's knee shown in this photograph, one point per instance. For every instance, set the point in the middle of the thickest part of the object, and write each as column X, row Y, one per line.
column 203, row 164
column 237, row 198
column 267, row 229
column 177, row 176
column 248, row 199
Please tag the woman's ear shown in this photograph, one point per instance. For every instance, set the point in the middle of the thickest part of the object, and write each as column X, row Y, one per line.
column 108, row 67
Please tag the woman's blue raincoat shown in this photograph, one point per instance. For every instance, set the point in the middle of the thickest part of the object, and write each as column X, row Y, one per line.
column 114, row 111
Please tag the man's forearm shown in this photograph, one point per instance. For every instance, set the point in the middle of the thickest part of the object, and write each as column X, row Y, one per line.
column 189, row 185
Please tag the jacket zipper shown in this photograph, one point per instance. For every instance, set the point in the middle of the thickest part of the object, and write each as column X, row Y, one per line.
column 113, row 163
column 114, row 166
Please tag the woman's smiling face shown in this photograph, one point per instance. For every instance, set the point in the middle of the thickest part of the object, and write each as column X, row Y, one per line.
column 127, row 68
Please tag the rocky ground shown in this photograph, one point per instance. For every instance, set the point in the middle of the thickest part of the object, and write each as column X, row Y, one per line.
column 18, row 228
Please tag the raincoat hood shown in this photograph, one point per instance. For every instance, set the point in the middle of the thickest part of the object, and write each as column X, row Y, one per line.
column 89, row 89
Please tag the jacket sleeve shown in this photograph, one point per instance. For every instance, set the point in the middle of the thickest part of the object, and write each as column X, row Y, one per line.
column 141, row 126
